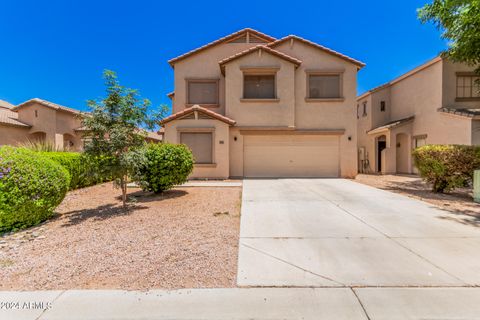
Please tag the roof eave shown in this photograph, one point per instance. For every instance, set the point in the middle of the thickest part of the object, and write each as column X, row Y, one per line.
column 358, row 63
column 266, row 37
column 251, row 50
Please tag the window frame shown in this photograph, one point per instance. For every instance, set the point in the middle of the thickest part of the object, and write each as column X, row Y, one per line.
column 418, row 137
column 364, row 112
column 202, row 80
column 260, row 72
column 199, row 130
column 309, row 73
column 470, row 75
column 383, row 106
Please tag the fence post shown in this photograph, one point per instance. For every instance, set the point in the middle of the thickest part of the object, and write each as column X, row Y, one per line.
column 476, row 186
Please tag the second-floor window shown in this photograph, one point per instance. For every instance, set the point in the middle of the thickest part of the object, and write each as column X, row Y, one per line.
column 202, row 92
column 382, row 106
column 468, row 86
column 364, row 109
column 259, row 86
column 324, row 86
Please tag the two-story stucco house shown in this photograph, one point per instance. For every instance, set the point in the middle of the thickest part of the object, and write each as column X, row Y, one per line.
column 250, row 105
column 435, row 103
column 41, row 120
column 38, row 120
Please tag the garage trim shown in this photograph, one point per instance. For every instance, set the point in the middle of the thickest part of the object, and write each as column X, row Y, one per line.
column 290, row 131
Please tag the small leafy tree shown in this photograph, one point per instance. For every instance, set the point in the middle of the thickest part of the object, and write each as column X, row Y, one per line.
column 114, row 129
column 460, row 22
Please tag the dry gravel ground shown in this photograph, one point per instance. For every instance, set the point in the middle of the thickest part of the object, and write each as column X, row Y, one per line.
column 185, row 238
column 458, row 201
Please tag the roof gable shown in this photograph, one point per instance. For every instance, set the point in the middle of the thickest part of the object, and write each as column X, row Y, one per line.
column 47, row 104
column 271, row 51
column 318, row 46
column 202, row 113
column 6, row 105
column 241, row 35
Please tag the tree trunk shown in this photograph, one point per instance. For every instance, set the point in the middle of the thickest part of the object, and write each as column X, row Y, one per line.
column 123, row 186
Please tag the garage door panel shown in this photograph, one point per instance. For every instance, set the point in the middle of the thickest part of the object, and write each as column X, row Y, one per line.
column 291, row 156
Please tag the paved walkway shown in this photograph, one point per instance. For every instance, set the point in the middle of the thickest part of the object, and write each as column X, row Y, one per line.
column 255, row 303
column 339, row 233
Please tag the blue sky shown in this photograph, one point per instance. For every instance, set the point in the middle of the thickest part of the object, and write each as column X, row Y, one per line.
column 57, row 50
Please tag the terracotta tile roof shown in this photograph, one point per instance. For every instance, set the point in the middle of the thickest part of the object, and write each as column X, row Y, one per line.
column 200, row 109
column 260, row 47
column 171, row 94
column 154, row 136
column 8, row 117
column 149, row 134
column 316, row 45
column 221, row 40
column 6, row 105
column 400, row 78
column 46, row 104
column 391, row 124
column 464, row 112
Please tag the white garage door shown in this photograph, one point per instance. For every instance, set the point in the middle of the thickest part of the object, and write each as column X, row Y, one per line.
column 291, row 156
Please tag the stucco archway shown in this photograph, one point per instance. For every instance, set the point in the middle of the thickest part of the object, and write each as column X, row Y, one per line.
column 37, row 137
column 69, row 142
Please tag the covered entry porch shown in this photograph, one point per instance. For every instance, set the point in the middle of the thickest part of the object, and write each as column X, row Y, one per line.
column 393, row 144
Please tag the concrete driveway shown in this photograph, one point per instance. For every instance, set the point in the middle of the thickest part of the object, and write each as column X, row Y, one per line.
column 339, row 233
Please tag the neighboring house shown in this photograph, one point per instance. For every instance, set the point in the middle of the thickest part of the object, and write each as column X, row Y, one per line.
column 250, row 105
column 44, row 121
column 435, row 103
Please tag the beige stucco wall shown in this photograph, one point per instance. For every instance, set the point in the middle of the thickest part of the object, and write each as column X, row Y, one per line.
column 12, row 135
column 378, row 117
column 220, row 169
column 364, row 124
column 280, row 113
column 236, row 152
column 476, row 132
column 202, row 65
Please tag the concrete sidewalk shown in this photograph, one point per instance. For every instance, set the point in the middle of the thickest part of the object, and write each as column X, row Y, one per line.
column 247, row 303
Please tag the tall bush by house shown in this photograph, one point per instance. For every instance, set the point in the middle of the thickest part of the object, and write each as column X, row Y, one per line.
column 31, row 187
column 84, row 171
column 447, row 167
column 166, row 165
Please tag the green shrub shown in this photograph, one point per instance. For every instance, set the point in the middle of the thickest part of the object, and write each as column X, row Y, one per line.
column 447, row 167
column 166, row 165
column 84, row 171
column 31, row 187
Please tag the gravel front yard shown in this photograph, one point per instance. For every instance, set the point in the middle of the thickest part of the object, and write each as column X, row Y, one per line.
column 458, row 201
column 185, row 238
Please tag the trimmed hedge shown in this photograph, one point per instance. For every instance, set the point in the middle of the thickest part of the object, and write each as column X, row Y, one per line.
column 447, row 167
column 167, row 165
column 31, row 187
column 84, row 171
